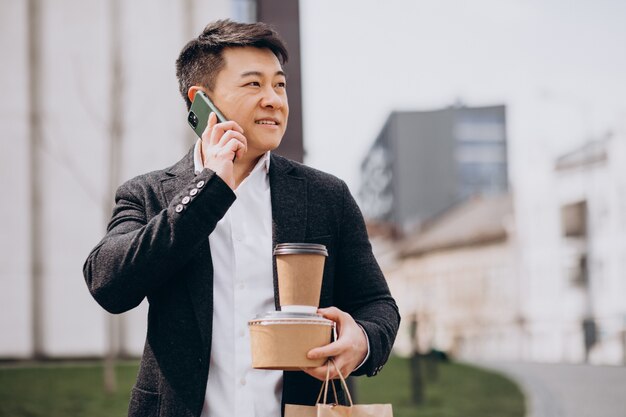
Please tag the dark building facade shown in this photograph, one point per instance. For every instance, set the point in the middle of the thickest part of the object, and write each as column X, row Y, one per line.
column 284, row 16
column 424, row 162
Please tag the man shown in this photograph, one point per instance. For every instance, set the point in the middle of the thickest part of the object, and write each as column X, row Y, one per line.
column 196, row 239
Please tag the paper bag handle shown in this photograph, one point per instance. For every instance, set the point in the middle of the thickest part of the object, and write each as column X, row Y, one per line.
column 328, row 381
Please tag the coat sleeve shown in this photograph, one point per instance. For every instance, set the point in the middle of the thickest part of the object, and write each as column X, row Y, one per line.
column 138, row 255
column 361, row 288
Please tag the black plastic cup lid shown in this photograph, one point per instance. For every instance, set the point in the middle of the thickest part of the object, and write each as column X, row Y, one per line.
column 300, row 248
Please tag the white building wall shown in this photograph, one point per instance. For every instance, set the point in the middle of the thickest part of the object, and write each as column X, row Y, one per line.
column 603, row 187
column 75, row 96
column 466, row 301
column 15, row 319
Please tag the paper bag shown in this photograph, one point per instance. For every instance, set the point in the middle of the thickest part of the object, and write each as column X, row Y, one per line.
column 335, row 410
column 331, row 410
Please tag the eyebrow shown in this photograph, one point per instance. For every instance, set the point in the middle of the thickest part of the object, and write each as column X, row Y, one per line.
column 259, row 74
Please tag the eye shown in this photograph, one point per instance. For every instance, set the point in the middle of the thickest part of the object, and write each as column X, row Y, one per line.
column 281, row 84
column 254, row 84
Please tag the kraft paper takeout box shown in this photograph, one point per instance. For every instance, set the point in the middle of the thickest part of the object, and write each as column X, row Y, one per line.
column 281, row 340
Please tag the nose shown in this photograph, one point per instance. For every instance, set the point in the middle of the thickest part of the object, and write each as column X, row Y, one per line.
column 272, row 99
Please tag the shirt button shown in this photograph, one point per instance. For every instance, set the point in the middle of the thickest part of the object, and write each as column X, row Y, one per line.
column 186, row 199
column 193, row 192
column 241, row 286
column 242, row 333
column 200, row 184
column 242, row 381
column 179, row 208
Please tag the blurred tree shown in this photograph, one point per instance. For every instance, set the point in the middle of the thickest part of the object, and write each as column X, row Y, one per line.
column 417, row 382
column 116, row 121
column 36, row 135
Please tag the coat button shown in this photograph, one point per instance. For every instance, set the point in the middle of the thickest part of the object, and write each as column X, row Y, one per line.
column 200, row 184
column 179, row 208
column 186, row 199
column 193, row 192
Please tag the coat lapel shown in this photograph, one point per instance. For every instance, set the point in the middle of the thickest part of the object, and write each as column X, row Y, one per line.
column 289, row 220
column 289, row 203
column 200, row 280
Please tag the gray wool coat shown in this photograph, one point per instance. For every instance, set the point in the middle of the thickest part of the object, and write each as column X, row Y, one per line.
column 156, row 246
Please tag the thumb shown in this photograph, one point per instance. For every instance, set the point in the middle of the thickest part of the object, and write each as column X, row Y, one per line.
column 331, row 313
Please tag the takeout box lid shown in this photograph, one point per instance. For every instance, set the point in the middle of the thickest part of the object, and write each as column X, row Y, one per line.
column 289, row 317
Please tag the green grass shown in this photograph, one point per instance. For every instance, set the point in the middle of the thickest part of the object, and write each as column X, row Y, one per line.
column 64, row 390
column 54, row 390
column 459, row 391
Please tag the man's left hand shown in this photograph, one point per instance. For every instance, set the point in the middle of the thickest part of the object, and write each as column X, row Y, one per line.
column 348, row 351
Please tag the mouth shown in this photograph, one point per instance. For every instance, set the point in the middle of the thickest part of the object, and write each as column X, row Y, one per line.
column 267, row 121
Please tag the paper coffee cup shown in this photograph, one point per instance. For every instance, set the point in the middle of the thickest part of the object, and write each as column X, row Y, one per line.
column 300, row 268
column 280, row 341
column 299, row 309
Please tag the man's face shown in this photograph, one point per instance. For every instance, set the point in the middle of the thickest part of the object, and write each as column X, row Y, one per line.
column 251, row 90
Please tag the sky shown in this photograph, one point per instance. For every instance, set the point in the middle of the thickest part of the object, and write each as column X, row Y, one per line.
column 559, row 66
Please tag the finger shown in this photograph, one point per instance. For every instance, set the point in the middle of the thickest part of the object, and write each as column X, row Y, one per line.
column 320, row 371
column 240, row 153
column 333, row 349
column 229, row 125
column 336, row 315
column 220, row 128
column 208, row 130
column 233, row 147
column 231, row 134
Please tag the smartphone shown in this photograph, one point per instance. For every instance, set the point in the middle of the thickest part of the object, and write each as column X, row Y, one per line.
column 198, row 116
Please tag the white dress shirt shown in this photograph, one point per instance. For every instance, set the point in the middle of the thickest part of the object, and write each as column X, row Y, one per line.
column 243, row 287
column 241, row 251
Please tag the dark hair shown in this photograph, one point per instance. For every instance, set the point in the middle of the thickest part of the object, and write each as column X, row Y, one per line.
column 201, row 59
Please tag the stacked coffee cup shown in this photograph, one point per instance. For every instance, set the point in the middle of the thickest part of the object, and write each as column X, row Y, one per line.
column 281, row 339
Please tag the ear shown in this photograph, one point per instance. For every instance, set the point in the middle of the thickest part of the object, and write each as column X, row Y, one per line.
column 191, row 93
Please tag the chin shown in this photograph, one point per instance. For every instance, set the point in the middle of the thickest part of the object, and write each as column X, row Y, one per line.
column 266, row 141
column 270, row 144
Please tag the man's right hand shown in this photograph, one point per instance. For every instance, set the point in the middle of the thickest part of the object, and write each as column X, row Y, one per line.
column 222, row 143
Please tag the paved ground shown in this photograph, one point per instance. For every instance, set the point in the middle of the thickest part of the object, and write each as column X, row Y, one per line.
column 569, row 390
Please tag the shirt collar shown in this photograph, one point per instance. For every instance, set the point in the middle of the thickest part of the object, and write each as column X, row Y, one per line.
column 198, row 166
